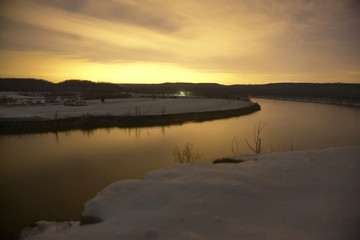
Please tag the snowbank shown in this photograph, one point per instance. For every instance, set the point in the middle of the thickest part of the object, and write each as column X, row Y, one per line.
column 122, row 107
column 294, row 195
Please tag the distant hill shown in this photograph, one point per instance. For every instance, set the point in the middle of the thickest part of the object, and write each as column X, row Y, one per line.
column 86, row 89
column 26, row 85
column 289, row 90
column 337, row 91
column 39, row 85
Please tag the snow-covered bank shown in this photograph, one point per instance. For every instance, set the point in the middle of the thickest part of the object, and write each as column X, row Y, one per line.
column 122, row 107
column 131, row 112
column 294, row 195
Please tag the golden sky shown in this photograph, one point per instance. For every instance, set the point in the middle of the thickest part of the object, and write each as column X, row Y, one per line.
column 156, row 41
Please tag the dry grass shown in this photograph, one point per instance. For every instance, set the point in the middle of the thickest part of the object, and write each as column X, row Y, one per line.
column 186, row 154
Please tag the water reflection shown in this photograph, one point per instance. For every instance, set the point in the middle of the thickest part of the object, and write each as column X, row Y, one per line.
column 163, row 131
column 57, row 137
column 78, row 163
column 137, row 132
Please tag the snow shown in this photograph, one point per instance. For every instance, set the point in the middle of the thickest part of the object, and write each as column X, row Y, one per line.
column 293, row 195
column 122, row 107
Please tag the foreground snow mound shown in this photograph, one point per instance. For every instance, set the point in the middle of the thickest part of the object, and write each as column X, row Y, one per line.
column 296, row 195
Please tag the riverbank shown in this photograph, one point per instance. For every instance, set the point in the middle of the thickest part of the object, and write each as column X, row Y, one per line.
column 349, row 103
column 132, row 112
column 293, row 195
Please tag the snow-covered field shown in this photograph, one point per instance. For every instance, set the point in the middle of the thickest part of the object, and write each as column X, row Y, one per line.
column 122, row 107
column 294, row 195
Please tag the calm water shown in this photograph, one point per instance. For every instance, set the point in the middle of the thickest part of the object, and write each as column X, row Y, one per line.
column 50, row 176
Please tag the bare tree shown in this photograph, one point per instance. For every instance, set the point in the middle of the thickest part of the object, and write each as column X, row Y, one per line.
column 256, row 147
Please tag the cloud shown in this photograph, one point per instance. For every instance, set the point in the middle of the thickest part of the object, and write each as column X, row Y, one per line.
column 136, row 14
column 20, row 36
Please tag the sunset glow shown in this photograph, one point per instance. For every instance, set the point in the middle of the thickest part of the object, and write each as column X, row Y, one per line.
column 156, row 41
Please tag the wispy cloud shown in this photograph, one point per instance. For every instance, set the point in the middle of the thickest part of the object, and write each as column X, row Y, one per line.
column 133, row 13
column 21, row 36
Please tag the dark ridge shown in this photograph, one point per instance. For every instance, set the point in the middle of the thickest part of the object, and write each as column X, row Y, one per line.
column 88, row 89
column 26, row 85
column 337, row 91
column 40, row 85
column 86, row 86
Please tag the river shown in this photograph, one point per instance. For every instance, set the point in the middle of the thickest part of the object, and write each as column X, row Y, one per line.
column 50, row 176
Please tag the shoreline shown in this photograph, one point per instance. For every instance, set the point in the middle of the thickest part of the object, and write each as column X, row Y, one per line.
column 345, row 103
column 89, row 121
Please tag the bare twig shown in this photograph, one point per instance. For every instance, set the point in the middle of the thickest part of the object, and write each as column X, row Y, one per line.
column 257, row 147
column 235, row 146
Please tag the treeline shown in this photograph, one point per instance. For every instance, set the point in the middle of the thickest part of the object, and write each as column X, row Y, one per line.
column 39, row 85
column 338, row 91
column 26, row 85
column 87, row 89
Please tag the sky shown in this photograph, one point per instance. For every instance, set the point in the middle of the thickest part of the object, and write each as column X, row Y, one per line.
column 203, row 41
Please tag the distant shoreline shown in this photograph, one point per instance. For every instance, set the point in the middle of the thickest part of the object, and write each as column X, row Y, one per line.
column 88, row 122
column 347, row 103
